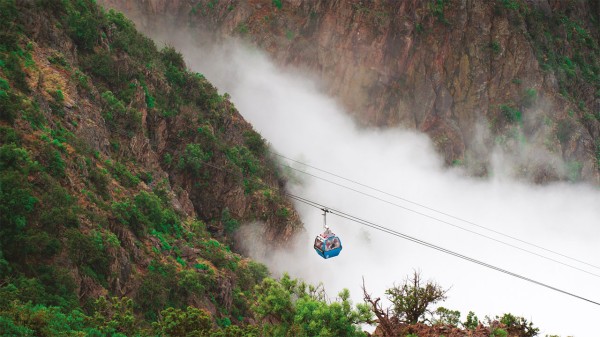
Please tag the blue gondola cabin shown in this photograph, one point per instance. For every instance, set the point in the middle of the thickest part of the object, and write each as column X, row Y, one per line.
column 328, row 245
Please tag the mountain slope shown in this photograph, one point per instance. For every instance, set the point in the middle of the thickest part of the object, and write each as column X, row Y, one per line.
column 517, row 77
column 119, row 170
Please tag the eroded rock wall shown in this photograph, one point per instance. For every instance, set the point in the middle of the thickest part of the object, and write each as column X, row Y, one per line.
column 518, row 77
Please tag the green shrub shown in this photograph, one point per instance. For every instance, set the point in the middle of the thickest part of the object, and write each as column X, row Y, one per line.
column 58, row 96
column 283, row 212
column 15, row 158
column 123, row 175
column 194, row 158
column 57, row 104
column 250, row 274
column 472, row 321
column 114, row 316
column 277, row 3
column 84, row 20
column 126, row 38
column 59, row 207
column 150, row 100
column 255, row 143
column 81, row 80
column 171, row 57
column 16, row 204
column 242, row 157
column 510, row 4
column 168, row 159
column 101, row 65
column 520, row 324
column 156, row 290
column 499, row 333
column 530, row 97
column 189, row 322
column 145, row 213
column 100, row 182
column 568, row 67
column 437, row 9
column 53, row 161
column 59, row 60
column 8, row 135
column 289, row 35
column 298, row 311
column 88, row 254
column 113, row 106
column 446, row 316
column 9, row 38
column 511, row 115
column 4, row 86
column 10, row 105
column 31, row 112
column 39, row 245
column 215, row 252
column 175, row 69
column 229, row 223
column 195, row 283
column 242, row 29
column 53, row 286
column 14, row 72
column 17, row 200
column 27, row 319
column 117, row 116
column 159, row 218
column 495, row 46
column 128, row 214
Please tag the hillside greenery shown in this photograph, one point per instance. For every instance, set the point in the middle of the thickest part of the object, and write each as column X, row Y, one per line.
column 82, row 224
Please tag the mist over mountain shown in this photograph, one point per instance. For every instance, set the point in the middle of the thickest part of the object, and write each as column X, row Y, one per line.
column 519, row 78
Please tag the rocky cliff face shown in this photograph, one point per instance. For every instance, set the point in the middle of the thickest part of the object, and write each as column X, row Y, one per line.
column 512, row 76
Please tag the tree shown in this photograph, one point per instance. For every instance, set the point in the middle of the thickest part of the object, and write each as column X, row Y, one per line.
column 410, row 303
column 411, row 300
column 446, row 316
column 386, row 322
column 288, row 307
column 177, row 322
column 114, row 315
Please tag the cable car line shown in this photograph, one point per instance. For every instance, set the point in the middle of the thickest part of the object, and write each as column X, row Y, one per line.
column 408, row 209
column 416, row 240
column 433, row 246
column 433, row 210
column 447, row 223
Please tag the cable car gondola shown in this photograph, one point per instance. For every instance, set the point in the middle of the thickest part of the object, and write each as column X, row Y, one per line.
column 327, row 244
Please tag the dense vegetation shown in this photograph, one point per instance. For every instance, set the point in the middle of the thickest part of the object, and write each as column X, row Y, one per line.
column 100, row 135
column 92, row 237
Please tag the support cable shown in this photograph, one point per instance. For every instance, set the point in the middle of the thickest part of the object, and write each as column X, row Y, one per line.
column 436, row 211
column 447, row 223
column 416, row 240
column 433, row 246
column 430, row 209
